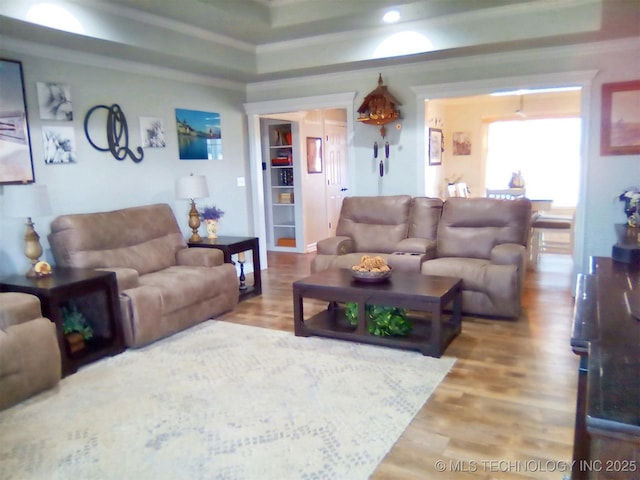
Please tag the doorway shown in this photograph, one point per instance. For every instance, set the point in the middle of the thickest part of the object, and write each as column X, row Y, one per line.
column 273, row 107
column 432, row 177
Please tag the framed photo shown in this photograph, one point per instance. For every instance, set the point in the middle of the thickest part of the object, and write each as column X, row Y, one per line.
column 314, row 155
column 54, row 101
column 16, row 161
column 152, row 132
column 620, row 128
column 199, row 135
column 461, row 143
column 59, row 145
column 436, row 141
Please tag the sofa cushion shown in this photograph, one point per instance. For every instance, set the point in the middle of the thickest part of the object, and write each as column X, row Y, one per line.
column 195, row 285
column 376, row 224
column 471, row 227
column 425, row 216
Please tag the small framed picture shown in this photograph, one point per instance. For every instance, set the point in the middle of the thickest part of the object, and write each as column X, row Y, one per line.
column 314, row 155
column 436, row 141
column 620, row 127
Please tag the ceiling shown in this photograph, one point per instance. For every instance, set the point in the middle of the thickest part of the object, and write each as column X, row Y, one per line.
column 256, row 40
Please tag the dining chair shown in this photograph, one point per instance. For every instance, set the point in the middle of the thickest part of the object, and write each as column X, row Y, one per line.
column 506, row 193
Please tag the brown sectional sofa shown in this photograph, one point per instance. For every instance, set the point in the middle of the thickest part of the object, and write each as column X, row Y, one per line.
column 29, row 353
column 481, row 240
column 164, row 286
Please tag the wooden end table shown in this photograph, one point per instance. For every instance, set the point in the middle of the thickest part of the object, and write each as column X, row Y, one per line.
column 93, row 292
column 232, row 245
column 431, row 333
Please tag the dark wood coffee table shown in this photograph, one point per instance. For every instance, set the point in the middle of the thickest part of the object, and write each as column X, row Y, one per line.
column 431, row 332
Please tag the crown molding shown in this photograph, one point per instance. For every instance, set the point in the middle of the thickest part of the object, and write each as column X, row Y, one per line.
column 301, row 103
column 424, row 65
column 172, row 25
column 100, row 61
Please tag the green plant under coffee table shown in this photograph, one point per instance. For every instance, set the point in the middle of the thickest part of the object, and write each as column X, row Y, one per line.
column 435, row 304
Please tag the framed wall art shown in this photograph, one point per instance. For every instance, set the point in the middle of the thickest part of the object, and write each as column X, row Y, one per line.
column 436, row 141
column 461, row 143
column 54, row 101
column 620, row 127
column 199, row 135
column 16, row 161
column 314, row 155
column 152, row 131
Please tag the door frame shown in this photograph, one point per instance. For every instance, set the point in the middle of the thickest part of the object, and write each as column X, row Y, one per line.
column 254, row 111
column 581, row 78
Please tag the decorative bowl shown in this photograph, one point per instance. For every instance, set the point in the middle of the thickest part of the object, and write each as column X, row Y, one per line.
column 371, row 277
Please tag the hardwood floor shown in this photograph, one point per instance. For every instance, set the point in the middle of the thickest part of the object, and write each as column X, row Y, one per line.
column 506, row 409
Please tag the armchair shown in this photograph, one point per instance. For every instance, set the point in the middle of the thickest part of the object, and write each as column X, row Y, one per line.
column 29, row 353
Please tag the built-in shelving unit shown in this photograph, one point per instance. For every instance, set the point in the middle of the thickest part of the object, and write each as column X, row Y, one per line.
column 282, row 163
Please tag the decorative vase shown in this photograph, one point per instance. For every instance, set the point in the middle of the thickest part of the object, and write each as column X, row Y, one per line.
column 212, row 228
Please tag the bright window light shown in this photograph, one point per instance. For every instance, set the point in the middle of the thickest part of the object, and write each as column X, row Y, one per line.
column 54, row 16
column 392, row 16
column 403, row 43
column 546, row 151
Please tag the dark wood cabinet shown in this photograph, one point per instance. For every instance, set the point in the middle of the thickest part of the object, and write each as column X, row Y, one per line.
column 94, row 293
column 607, row 338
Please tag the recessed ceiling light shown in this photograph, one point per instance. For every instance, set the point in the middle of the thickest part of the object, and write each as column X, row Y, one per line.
column 392, row 16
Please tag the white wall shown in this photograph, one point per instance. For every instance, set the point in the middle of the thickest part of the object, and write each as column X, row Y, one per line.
column 98, row 182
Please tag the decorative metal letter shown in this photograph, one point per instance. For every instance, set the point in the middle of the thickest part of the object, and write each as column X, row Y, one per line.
column 116, row 131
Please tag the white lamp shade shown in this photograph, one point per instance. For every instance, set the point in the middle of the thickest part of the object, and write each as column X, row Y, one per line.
column 193, row 186
column 24, row 201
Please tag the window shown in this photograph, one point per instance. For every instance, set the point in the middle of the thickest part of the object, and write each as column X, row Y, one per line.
column 546, row 151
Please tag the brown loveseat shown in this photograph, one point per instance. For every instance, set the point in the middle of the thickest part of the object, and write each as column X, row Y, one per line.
column 481, row 240
column 164, row 286
column 29, row 353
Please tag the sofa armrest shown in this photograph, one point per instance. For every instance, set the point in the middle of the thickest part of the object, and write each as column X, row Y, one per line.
column 125, row 277
column 200, row 257
column 335, row 246
column 17, row 308
column 418, row 245
column 508, row 254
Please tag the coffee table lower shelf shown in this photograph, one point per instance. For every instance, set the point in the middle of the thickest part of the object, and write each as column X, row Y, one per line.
column 333, row 323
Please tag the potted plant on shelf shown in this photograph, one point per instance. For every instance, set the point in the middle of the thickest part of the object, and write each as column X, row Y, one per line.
column 75, row 327
column 211, row 215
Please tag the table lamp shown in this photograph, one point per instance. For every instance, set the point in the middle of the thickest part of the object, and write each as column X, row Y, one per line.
column 30, row 201
column 192, row 187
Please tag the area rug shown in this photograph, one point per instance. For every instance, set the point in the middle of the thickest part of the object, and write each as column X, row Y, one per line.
column 222, row 401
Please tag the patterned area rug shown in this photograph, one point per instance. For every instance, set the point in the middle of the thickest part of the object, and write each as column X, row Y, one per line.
column 222, row 401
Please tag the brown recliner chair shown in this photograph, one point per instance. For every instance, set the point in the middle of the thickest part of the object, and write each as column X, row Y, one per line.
column 29, row 352
column 483, row 241
column 164, row 286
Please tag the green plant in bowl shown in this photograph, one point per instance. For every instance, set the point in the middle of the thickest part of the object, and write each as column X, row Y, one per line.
column 383, row 320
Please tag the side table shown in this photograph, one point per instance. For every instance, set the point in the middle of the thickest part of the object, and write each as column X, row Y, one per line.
column 230, row 245
column 93, row 292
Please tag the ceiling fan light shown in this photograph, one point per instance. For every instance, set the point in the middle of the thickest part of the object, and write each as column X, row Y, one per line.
column 391, row 16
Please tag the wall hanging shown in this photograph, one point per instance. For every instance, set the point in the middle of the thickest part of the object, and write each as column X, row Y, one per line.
column 199, row 135
column 379, row 108
column 117, row 133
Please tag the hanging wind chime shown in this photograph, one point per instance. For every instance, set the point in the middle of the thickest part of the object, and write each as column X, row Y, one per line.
column 379, row 108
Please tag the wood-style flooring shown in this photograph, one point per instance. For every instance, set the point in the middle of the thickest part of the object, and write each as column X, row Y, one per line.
column 505, row 411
